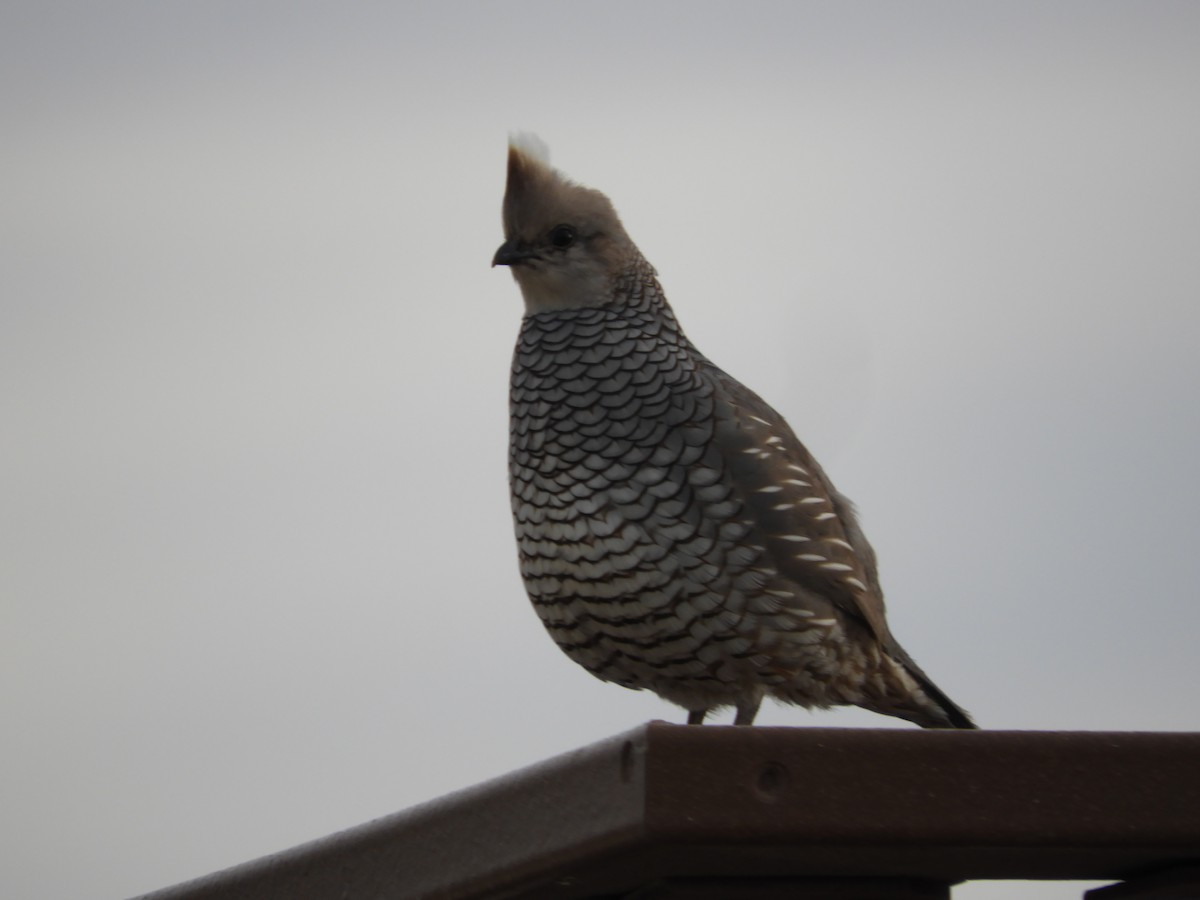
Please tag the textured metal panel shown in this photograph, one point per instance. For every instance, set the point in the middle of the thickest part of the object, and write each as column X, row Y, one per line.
column 668, row 802
column 520, row 828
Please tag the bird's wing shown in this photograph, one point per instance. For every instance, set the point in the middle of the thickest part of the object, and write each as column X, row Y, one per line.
column 810, row 529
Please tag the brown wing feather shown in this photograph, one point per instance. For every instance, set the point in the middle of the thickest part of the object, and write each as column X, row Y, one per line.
column 811, row 530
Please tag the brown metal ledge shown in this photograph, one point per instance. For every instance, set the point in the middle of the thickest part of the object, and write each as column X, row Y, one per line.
column 671, row 811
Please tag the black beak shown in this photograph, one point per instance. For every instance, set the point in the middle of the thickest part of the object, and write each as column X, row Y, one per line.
column 511, row 253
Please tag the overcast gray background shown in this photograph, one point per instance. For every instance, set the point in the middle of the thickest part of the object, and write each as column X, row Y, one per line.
column 257, row 575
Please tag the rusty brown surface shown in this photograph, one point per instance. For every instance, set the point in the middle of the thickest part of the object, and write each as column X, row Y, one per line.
column 670, row 808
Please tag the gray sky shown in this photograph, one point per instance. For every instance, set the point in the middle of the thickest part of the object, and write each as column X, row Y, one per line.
column 257, row 577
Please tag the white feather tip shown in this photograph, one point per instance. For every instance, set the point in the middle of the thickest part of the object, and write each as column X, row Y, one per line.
column 529, row 144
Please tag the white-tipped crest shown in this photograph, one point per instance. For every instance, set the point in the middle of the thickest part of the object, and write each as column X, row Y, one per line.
column 530, row 145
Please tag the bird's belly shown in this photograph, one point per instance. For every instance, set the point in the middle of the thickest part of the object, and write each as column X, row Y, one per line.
column 649, row 575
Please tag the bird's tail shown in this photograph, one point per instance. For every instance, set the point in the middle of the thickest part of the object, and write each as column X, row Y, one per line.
column 955, row 716
column 912, row 695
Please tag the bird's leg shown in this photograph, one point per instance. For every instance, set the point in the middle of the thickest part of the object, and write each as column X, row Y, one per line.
column 696, row 716
column 747, row 710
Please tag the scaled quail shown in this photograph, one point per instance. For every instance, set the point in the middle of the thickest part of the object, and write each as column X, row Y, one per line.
column 673, row 533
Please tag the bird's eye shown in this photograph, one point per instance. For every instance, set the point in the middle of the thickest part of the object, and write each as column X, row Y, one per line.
column 562, row 236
